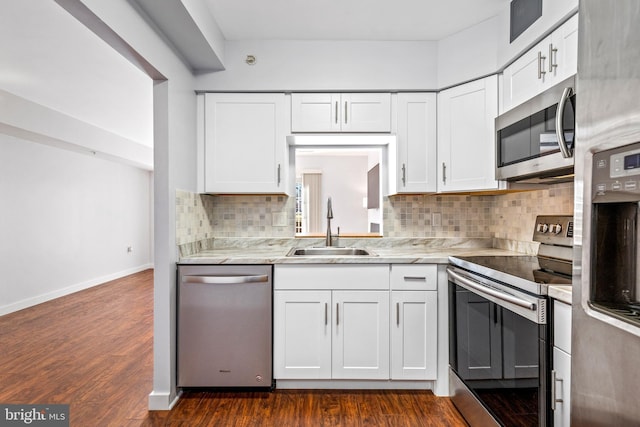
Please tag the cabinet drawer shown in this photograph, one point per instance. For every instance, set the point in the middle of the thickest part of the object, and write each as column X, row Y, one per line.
column 562, row 326
column 331, row 276
column 414, row 277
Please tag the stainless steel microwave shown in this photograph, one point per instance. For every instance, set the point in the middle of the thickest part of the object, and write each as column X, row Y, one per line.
column 535, row 140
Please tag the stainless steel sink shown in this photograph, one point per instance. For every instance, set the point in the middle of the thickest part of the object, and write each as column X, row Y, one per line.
column 329, row 251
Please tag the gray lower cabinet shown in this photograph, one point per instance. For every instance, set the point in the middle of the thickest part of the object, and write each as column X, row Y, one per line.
column 478, row 321
column 520, row 358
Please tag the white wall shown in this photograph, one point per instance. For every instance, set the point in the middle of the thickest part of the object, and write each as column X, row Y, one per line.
column 325, row 65
column 344, row 179
column 553, row 13
column 377, row 65
column 51, row 59
column 67, row 222
column 469, row 54
column 174, row 161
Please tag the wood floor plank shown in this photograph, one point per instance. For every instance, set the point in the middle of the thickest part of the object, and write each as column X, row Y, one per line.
column 93, row 350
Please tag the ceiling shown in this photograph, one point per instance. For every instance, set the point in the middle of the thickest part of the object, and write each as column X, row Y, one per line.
column 198, row 29
column 349, row 19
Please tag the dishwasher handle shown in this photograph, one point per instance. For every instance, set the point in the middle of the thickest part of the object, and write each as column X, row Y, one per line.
column 225, row 280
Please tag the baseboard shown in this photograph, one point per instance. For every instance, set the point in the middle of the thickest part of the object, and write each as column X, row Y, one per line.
column 39, row 299
column 162, row 401
column 354, row 384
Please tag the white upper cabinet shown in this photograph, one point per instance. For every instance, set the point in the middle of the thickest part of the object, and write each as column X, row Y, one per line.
column 549, row 62
column 346, row 112
column 466, row 136
column 245, row 145
column 417, row 143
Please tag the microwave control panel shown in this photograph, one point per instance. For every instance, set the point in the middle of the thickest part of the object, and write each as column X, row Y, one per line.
column 617, row 170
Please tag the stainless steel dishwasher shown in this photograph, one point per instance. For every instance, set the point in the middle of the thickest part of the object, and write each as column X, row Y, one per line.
column 225, row 326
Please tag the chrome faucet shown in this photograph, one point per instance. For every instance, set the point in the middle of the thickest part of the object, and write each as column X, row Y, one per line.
column 329, row 239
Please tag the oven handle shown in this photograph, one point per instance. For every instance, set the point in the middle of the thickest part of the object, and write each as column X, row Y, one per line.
column 494, row 293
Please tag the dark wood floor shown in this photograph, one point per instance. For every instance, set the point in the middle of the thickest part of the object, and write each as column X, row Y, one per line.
column 93, row 351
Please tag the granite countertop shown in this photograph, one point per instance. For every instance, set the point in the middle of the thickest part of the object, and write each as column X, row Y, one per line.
column 400, row 251
column 561, row 293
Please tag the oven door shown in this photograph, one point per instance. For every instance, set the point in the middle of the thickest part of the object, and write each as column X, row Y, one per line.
column 499, row 357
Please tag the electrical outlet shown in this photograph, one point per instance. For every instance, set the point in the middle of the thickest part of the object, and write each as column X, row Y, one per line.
column 279, row 219
column 436, row 219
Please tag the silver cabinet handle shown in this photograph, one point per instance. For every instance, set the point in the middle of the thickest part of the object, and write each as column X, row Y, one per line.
column 404, row 175
column 420, row 278
column 398, row 314
column 444, row 173
column 345, row 112
column 225, row 280
column 278, row 174
column 337, row 314
column 554, row 391
column 553, row 52
column 337, row 112
column 566, row 152
column 541, row 71
column 326, row 314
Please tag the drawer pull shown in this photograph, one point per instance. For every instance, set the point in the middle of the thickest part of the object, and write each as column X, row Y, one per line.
column 420, row 278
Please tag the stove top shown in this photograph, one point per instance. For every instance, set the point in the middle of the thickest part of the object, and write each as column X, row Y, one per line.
column 531, row 273
column 522, row 272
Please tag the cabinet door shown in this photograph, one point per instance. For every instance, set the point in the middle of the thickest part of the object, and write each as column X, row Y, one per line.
column 366, row 112
column 417, row 143
column 520, row 356
column 561, row 383
column 302, row 334
column 361, row 335
column 479, row 337
column 245, row 143
column 414, row 325
column 466, row 136
column 315, row 112
column 549, row 62
column 347, row 112
column 563, row 61
column 524, row 78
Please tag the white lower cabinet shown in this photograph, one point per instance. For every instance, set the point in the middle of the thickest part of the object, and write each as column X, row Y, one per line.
column 331, row 334
column 355, row 322
column 360, row 345
column 561, row 395
column 302, row 331
column 414, row 322
column 414, row 335
column 561, row 374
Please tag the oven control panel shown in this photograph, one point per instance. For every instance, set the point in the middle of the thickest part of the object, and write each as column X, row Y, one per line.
column 617, row 171
column 554, row 230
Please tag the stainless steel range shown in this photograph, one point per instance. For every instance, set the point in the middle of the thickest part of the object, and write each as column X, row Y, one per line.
column 500, row 326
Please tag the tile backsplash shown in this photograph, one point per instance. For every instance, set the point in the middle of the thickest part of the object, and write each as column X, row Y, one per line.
column 503, row 216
